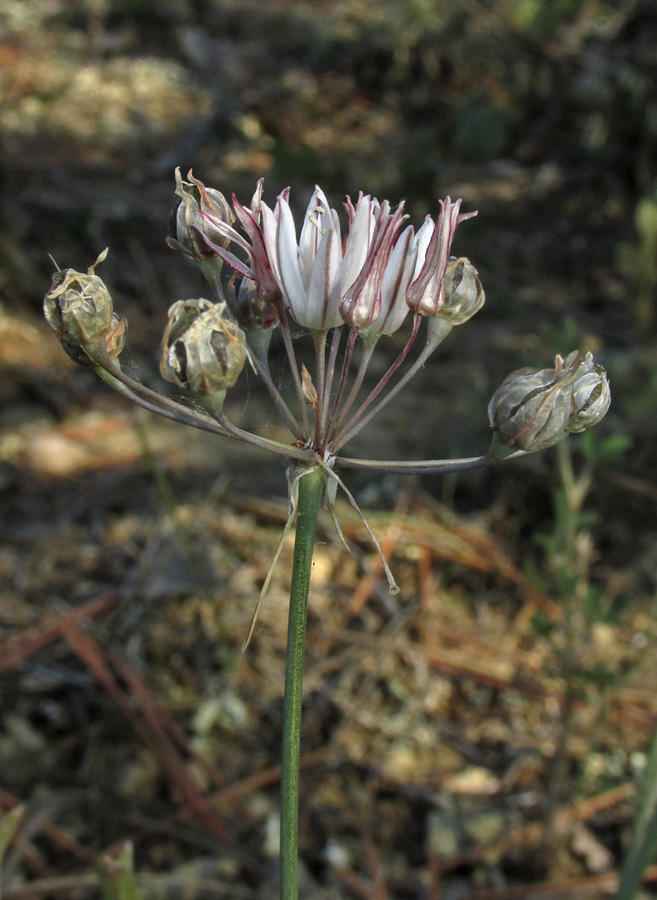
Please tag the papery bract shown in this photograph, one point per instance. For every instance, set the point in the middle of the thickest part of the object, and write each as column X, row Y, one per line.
column 464, row 295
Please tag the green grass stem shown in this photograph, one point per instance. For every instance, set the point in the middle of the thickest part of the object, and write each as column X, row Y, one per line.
column 643, row 845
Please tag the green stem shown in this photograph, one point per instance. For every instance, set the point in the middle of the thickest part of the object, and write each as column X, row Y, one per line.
column 642, row 847
column 310, row 494
column 436, row 334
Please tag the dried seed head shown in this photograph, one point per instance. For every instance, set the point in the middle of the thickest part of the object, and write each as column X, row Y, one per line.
column 201, row 349
column 464, row 295
column 187, row 225
column 78, row 306
column 534, row 409
column 114, row 343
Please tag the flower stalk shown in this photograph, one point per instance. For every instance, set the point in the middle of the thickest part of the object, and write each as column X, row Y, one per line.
column 310, row 486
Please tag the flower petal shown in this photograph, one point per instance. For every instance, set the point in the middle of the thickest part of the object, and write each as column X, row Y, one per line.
column 396, row 278
column 357, row 243
column 426, row 293
column 324, row 287
column 229, row 257
column 287, row 254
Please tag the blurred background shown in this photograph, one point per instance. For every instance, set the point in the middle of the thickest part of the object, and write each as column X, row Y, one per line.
column 484, row 729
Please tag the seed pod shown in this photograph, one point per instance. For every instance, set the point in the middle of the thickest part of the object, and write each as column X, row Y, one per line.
column 534, row 409
column 464, row 295
column 249, row 308
column 78, row 306
column 185, row 221
column 114, row 343
column 202, row 351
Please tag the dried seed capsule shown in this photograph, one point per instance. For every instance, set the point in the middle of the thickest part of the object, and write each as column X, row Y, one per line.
column 464, row 295
column 201, row 349
column 79, row 307
column 185, row 222
column 114, row 343
column 534, row 409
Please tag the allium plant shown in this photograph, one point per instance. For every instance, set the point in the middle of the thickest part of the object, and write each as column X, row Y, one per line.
column 358, row 286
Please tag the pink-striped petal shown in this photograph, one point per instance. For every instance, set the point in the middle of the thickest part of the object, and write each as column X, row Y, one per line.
column 226, row 230
column 287, row 254
column 396, row 278
column 426, row 293
column 357, row 243
column 228, row 257
column 324, row 286
column 269, row 229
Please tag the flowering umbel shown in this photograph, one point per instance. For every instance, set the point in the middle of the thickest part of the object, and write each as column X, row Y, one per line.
column 345, row 284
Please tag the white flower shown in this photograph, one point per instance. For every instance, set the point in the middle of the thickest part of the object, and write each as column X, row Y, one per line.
column 308, row 273
column 370, row 281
